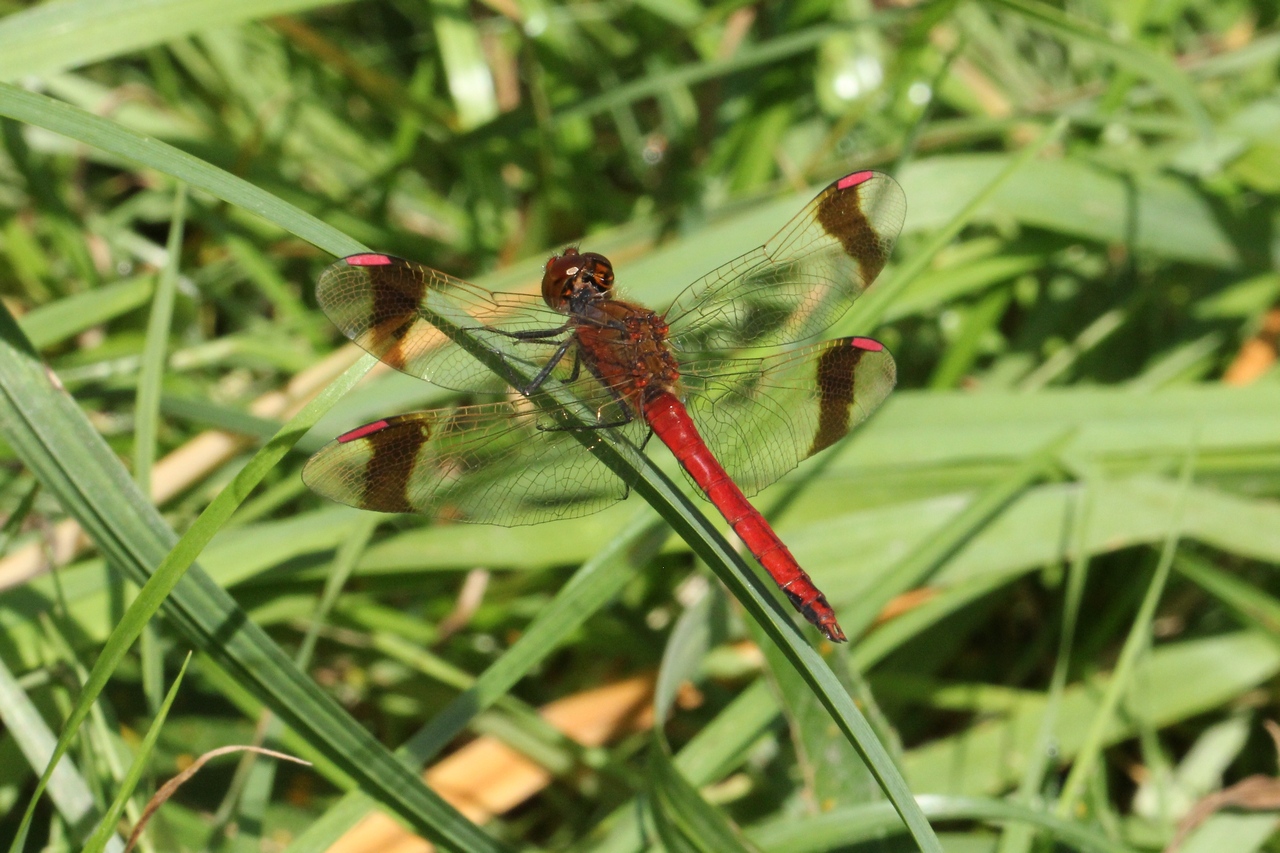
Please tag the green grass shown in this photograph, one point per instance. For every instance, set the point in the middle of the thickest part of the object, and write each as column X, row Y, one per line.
column 1092, row 513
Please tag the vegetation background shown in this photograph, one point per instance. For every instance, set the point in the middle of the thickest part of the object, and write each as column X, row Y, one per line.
column 1055, row 548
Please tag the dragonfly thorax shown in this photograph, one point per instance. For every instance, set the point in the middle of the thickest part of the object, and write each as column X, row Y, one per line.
column 574, row 279
column 625, row 346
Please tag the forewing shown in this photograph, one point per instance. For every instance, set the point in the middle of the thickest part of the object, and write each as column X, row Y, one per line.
column 803, row 279
column 386, row 304
column 762, row 416
column 499, row 463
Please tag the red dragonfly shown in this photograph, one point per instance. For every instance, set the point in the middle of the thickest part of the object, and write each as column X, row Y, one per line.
column 724, row 378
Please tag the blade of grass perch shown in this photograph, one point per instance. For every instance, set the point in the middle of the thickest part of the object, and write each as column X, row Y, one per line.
column 758, row 600
column 832, row 774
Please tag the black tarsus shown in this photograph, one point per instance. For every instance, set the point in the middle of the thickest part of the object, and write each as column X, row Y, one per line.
column 536, row 382
column 532, row 334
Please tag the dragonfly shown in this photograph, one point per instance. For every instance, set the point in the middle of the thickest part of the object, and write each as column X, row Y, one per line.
column 729, row 378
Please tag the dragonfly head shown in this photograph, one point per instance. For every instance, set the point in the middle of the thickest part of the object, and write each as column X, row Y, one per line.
column 574, row 276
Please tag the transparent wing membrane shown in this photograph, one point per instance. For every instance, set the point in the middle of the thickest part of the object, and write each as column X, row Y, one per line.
column 802, row 280
column 386, row 305
column 762, row 416
column 500, row 463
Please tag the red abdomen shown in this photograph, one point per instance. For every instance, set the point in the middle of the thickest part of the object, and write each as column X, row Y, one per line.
column 672, row 424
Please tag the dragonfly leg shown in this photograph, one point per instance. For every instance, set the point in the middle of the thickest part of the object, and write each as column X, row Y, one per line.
column 626, row 416
column 547, row 343
column 536, row 382
column 526, row 334
column 627, row 413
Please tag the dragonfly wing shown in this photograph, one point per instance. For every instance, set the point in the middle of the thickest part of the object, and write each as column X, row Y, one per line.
column 762, row 416
column 387, row 305
column 497, row 463
column 803, row 279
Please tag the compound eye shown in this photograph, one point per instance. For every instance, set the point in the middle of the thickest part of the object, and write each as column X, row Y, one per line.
column 558, row 276
column 600, row 267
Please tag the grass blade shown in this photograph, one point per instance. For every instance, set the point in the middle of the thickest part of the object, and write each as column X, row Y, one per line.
column 101, row 133
column 846, row 827
column 1135, row 643
column 67, row 787
column 1162, row 73
column 106, row 827
column 155, row 353
column 930, row 554
column 599, row 580
column 69, row 33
